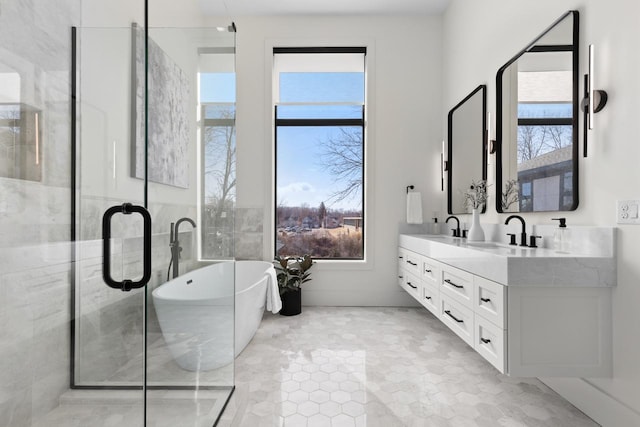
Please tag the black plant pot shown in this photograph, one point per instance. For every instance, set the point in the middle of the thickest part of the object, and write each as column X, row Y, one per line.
column 291, row 303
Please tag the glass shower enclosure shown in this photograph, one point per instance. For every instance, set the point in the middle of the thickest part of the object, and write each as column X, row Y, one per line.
column 142, row 142
column 109, row 139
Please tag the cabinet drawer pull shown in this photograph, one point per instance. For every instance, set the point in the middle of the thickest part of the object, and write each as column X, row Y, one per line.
column 427, row 271
column 485, row 299
column 453, row 317
column 400, row 257
column 484, row 340
column 412, row 263
column 414, row 287
column 453, row 284
column 427, row 297
column 400, row 277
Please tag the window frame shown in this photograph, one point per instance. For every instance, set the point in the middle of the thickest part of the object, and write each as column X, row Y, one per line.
column 324, row 122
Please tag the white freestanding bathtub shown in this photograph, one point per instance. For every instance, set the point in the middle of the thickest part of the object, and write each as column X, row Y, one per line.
column 196, row 312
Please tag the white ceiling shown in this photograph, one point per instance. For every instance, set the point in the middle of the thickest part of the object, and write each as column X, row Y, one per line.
column 235, row 8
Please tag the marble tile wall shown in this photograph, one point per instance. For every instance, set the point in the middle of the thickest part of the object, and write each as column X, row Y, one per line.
column 35, row 256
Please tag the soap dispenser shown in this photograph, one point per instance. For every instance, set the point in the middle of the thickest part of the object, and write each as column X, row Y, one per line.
column 562, row 236
column 435, row 226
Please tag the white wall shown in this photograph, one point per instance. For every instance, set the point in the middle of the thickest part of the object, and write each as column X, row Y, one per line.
column 403, row 129
column 478, row 37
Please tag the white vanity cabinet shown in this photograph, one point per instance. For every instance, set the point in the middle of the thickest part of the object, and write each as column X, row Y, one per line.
column 540, row 330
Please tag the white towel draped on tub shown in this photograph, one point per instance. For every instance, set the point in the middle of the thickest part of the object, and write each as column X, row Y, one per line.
column 414, row 207
column 274, row 303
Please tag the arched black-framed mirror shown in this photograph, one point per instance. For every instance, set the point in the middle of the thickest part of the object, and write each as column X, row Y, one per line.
column 537, row 110
column 467, row 160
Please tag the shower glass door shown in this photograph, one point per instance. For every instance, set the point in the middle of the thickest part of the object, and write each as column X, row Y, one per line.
column 155, row 125
column 108, row 325
column 191, row 179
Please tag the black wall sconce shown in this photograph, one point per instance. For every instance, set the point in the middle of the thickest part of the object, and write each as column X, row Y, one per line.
column 593, row 102
column 444, row 166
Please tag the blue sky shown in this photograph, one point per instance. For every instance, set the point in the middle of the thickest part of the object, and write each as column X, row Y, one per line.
column 301, row 178
column 564, row 109
column 217, row 87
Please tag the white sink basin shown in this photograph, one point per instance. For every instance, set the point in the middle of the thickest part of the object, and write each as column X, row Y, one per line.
column 484, row 244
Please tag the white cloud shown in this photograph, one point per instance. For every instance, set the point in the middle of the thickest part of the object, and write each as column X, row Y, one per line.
column 296, row 187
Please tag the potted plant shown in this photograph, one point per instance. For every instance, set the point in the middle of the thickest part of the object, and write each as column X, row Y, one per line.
column 292, row 271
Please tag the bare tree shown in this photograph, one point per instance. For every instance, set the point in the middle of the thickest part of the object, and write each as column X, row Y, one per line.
column 220, row 164
column 529, row 143
column 220, row 161
column 560, row 137
column 343, row 158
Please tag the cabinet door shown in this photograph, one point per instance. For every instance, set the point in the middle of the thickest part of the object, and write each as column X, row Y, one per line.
column 488, row 300
column 559, row 332
column 412, row 285
column 489, row 341
column 457, row 317
column 431, row 272
column 430, row 298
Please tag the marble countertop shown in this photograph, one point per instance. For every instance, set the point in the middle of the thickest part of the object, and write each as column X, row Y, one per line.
column 515, row 265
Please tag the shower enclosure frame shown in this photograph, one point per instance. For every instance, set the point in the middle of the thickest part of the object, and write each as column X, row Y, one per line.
column 74, row 238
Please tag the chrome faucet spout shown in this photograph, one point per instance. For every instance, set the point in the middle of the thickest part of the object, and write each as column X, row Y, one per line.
column 523, row 233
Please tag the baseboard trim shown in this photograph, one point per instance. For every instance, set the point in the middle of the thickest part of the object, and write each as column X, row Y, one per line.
column 357, row 298
column 595, row 403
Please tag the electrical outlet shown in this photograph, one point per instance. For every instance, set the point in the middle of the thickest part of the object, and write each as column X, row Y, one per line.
column 627, row 212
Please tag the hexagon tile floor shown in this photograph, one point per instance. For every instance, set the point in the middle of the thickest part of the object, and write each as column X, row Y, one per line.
column 344, row 366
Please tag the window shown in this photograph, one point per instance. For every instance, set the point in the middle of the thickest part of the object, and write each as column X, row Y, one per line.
column 218, row 153
column 319, row 112
column 545, row 138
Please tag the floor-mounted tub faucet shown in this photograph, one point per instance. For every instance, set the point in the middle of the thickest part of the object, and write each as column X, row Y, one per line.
column 174, row 244
column 523, row 234
column 456, row 231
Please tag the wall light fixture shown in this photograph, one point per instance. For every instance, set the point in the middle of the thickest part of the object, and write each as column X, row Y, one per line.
column 594, row 99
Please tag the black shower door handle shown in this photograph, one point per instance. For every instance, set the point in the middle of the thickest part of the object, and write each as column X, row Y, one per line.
column 126, row 284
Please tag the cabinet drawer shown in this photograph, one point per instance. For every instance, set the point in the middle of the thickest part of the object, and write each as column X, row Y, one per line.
column 431, row 298
column 458, row 285
column 412, row 285
column 412, row 262
column 458, row 318
column 431, row 272
column 489, row 341
column 488, row 300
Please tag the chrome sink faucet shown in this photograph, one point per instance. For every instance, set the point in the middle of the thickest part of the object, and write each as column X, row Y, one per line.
column 174, row 244
column 523, row 234
column 456, row 231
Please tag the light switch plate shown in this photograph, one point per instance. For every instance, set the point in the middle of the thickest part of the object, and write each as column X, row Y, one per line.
column 627, row 212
